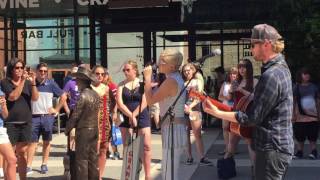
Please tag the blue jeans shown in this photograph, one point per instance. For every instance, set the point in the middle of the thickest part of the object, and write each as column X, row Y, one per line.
column 271, row 165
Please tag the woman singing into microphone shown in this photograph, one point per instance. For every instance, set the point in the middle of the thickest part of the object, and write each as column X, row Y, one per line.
column 170, row 61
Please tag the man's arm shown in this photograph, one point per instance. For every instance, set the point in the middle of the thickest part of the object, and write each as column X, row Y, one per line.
column 265, row 97
column 62, row 102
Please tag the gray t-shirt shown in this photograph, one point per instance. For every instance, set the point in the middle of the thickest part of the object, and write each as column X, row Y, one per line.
column 308, row 94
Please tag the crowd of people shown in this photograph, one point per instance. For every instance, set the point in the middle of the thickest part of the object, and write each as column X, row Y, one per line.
column 277, row 112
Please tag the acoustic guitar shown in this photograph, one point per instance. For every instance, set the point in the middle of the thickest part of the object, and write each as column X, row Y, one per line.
column 244, row 131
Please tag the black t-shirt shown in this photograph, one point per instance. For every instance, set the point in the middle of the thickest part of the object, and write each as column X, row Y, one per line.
column 20, row 109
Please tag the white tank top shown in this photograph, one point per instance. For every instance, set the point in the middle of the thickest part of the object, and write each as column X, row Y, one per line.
column 166, row 103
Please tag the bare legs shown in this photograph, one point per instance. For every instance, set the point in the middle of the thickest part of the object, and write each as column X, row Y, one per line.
column 21, row 151
column 146, row 132
column 10, row 161
column 196, row 128
column 225, row 130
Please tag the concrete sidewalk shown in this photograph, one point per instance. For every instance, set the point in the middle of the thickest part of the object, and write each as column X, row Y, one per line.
column 113, row 167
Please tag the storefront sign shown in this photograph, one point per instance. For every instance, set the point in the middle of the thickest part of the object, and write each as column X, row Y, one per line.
column 36, row 3
column 15, row 4
column 38, row 34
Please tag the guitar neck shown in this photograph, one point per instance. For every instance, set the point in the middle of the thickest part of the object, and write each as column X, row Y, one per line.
column 219, row 105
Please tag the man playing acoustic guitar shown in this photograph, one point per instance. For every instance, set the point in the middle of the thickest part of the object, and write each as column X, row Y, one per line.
column 271, row 109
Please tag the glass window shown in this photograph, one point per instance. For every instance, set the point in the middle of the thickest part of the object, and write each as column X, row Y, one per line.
column 116, row 40
column 84, row 37
column 172, row 38
column 50, row 22
column 84, row 20
column 117, row 57
column 54, row 58
column 48, row 38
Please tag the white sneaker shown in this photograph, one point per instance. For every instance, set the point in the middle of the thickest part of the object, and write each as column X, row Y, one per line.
column 1, row 173
column 29, row 171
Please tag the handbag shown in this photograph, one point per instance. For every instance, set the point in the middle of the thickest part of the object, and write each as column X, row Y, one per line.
column 226, row 168
column 131, row 165
column 116, row 135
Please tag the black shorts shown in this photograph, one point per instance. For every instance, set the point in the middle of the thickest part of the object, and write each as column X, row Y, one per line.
column 306, row 130
column 19, row 132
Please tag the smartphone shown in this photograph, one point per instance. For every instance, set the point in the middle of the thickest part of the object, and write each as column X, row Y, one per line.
column 28, row 69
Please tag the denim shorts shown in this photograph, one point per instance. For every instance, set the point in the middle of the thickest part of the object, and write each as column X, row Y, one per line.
column 42, row 125
column 4, row 138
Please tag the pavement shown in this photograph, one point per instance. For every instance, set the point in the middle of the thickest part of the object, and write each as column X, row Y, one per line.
column 299, row 169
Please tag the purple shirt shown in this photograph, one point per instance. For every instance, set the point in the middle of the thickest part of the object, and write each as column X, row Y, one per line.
column 72, row 89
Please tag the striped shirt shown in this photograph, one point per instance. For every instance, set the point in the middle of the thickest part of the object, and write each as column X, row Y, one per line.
column 272, row 108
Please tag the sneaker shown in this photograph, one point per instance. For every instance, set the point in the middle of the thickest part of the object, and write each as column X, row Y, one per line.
column 313, row 154
column 1, row 173
column 116, row 155
column 205, row 162
column 29, row 170
column 44, row 169
column 298, row 155
column 189, row 161
column 111, row 156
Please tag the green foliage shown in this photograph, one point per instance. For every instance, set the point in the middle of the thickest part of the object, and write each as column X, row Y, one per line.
column 299, row 23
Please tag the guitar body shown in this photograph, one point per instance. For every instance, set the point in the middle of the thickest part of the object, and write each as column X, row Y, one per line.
column 241, row 104
column 243, row 131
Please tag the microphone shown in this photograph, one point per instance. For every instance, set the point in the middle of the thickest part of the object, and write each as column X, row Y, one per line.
column 216, row 52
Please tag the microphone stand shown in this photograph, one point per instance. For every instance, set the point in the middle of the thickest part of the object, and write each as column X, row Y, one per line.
column 171, row 115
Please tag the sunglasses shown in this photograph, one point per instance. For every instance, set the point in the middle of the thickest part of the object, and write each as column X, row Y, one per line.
column 19, row 67
column 162, row 62
column 126, row 70
column 100, row 74
column 43, row 71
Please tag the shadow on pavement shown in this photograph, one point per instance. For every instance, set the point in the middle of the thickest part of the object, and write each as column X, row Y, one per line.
column 46, row 178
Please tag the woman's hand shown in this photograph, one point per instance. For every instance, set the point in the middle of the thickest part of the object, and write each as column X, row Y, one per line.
column 187, row 109
column 3, row 101
column 31, row 76
column 147, row 72
column 208, row 107
column 133, row 121
column 114, row 117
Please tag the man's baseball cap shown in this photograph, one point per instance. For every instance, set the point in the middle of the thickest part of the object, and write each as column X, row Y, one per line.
column 262, row 32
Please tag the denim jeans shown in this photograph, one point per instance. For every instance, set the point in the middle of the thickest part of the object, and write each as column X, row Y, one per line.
column 271, row 165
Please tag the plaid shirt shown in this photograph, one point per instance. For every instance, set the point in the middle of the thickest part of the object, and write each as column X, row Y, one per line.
column 271, row 109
